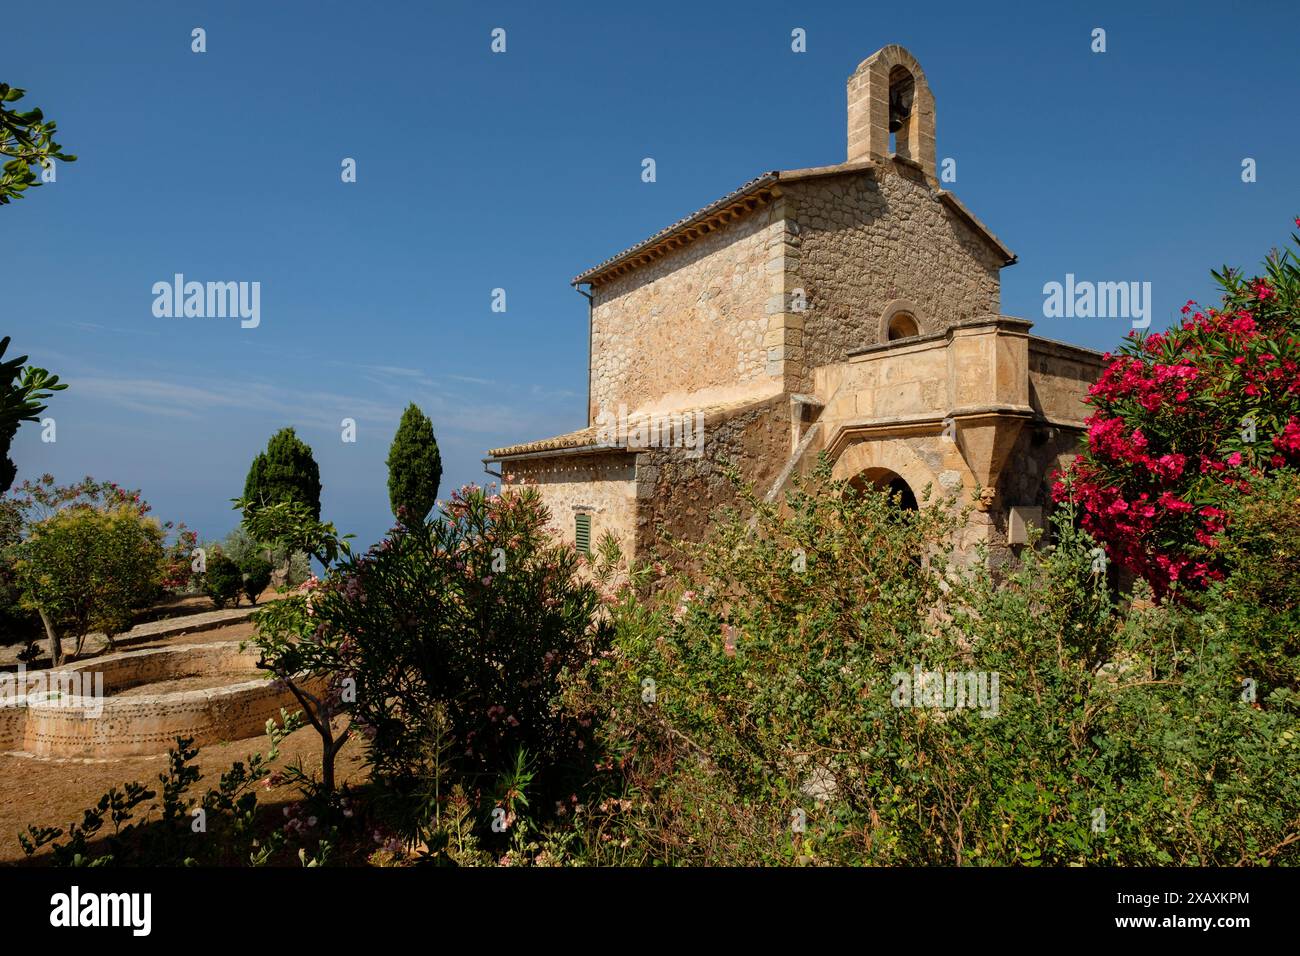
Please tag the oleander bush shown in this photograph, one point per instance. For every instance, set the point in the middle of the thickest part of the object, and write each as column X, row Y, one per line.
column 475, row 616
column 1186, row 421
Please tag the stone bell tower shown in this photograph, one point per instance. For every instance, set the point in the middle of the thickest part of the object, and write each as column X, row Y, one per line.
column 889, row 98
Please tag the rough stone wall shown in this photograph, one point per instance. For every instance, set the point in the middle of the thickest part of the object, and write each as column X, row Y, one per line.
column 138, row 726
column 1040, row 451
column 1059, row 378
column 679, row 493
column 690, row 321
column 112, row 727
column 866, row 240
column 601, row 485
column 124, row 671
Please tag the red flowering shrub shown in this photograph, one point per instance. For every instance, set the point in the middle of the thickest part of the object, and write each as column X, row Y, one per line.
column 1185, row 419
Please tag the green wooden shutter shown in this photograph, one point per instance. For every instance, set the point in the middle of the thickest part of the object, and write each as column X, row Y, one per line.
column 582, row 533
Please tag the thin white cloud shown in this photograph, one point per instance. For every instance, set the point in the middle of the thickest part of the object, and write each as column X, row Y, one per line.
column 393, row 370
column 471, row 380
column 196, row 400
column 541, row 391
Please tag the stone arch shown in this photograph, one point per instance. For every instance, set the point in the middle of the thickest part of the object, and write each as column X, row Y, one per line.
column 890, row 74
column 882, row 479
column 880, row 461
column 901, row 319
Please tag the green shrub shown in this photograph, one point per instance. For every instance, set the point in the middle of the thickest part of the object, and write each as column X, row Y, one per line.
column 223, row 580
column 239, row 545
column 297, row 565
column 36, row 500
column 17, row 624
column 90, row 568
column 762, row 715
column 476, row 615
column 256, row 573
column 1260, row 598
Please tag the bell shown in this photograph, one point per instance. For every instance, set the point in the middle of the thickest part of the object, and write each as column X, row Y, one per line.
column 900, row 105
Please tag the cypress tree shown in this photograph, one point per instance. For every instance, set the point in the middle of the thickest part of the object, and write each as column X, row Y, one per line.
column 414, row 467
column 286, row 471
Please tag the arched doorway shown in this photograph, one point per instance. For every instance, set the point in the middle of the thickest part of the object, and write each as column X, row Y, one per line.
column 882, row 479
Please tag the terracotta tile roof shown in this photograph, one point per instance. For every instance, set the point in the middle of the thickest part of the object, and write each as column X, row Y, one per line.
column 586, row 439
column 582, row 438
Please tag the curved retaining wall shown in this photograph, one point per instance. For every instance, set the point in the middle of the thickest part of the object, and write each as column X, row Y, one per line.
column 146, row 724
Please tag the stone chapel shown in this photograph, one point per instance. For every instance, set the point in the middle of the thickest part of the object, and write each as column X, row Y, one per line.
column 850, row 310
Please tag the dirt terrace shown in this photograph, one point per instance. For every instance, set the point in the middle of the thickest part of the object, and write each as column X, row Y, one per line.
column 54, row 792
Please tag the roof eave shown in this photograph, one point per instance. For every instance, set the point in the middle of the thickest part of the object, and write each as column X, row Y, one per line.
column 1009, row 258
column 681, row 230
column 506, row 454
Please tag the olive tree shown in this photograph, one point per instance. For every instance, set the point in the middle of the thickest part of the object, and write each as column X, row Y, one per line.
column 87, row 568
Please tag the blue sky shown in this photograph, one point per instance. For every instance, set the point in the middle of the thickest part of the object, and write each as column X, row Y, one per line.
column 518, row 170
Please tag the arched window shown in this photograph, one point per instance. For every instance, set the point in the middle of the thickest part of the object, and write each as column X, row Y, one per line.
column 903, row 326
column 901, row 319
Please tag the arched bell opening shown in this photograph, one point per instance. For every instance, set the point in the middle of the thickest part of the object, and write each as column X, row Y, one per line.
column 902, row 91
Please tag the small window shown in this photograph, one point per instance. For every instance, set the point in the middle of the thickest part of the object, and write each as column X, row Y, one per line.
column 582, row 533
column 903, row 326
